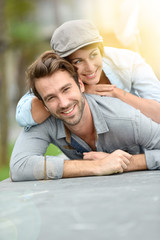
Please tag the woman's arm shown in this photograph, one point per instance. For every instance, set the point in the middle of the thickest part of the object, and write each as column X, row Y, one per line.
column 38, row 111
column 148, row 107
column 30, row 111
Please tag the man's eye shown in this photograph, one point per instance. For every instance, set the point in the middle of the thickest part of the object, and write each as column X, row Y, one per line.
column 50, row 98
column 66, row 89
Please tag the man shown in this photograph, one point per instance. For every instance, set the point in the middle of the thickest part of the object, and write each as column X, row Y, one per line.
column 121, row 138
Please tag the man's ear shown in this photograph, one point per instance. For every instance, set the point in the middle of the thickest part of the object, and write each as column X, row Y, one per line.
column 81, row 84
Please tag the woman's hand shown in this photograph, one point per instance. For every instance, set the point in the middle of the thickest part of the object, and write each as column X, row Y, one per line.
column 100, row 89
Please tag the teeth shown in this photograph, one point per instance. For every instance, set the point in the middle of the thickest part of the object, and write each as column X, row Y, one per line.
column 91, row 75
column 69, row 111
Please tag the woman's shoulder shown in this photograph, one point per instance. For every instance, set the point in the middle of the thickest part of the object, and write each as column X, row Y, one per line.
column 121, row 57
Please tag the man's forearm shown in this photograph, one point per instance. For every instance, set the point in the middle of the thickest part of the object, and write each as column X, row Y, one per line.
column 137, row 162
column 115, row 162
column 79, row 168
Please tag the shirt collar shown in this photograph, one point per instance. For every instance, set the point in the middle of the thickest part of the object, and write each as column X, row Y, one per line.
column 60, row 129
column 97, row 114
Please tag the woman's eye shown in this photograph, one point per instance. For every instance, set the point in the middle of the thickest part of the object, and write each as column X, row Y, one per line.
column 76, row 62
column 94, row 55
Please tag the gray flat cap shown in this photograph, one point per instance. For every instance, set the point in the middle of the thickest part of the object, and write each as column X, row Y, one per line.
column 73, row 35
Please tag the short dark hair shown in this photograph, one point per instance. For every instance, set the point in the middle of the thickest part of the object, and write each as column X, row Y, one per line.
column 47, row 64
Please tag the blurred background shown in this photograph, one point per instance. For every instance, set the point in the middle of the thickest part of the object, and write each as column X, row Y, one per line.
column 26, row 27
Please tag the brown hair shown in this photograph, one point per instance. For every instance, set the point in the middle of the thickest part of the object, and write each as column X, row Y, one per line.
column 47, row 64
column 93, row 45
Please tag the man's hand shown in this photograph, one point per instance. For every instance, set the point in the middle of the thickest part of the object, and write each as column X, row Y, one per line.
column 94, row 155
column 100, row 163
column 115, row 162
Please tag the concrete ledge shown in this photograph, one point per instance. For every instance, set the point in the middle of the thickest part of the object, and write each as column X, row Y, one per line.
column 124, row 206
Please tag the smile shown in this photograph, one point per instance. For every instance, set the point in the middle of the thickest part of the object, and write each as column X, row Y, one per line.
column 92, row 75
column 69, row 110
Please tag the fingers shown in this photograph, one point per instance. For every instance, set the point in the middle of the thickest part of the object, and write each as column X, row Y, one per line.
column 122, row 158
column 124, row 165
column 115, row 162
column 94, row 155
column 100, row 89
column 122, row 153
column 89, row 155
column 104, row 87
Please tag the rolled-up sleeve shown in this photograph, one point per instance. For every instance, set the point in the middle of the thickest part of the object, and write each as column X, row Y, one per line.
column 28, row 160
column 152, row 159
column 23, row 112
column 32, row 168
column 148, row 137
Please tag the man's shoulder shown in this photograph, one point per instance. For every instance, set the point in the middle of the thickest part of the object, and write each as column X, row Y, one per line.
column 111, row 107
column 45, row 126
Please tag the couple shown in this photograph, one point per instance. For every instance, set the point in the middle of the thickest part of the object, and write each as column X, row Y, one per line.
column 121, row 137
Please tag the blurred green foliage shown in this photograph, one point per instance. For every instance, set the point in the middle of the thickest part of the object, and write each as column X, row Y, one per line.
column 21, row 28
column 52, row 150
column 4, row 170
column 18, row 8
column 18, row 21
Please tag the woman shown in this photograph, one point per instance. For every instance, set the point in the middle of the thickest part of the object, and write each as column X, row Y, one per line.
column 118, row 73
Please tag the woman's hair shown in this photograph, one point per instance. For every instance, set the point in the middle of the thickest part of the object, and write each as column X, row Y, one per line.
column 101, row 47
column 47, row 64
column 93, row 45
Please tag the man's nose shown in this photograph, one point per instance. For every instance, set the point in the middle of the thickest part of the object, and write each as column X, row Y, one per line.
column 63, row 101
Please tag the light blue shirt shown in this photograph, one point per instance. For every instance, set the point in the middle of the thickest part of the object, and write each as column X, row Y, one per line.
column 117, row 124
column 124, row 68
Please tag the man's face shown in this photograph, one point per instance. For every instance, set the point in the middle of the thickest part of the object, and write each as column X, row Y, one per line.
column 62, row 96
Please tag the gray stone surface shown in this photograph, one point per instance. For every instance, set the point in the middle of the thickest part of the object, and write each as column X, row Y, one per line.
column 124, row 206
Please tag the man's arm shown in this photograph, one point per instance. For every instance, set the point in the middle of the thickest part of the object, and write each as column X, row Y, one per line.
column 135, row 162
column 28, row 161
column 115, row 162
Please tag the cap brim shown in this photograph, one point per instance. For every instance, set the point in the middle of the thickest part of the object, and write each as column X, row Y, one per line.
column 67, row 53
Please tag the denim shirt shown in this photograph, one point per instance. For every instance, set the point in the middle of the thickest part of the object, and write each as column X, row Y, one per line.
column 117, row 125
column 124, row 68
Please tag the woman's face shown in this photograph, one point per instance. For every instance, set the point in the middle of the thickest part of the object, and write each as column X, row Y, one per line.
column 88, row 61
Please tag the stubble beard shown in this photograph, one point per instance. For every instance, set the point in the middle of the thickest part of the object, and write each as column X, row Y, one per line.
column 74, row 120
